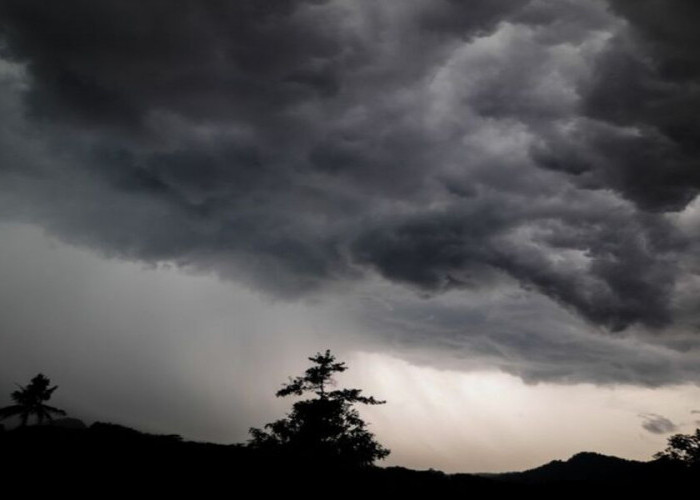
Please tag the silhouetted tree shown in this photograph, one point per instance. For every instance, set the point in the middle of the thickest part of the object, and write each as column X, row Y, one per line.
column 30, row 401
column 683, row 448
column 325, row 429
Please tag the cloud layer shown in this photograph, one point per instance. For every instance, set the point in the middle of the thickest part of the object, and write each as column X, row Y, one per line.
column 307, row 145
column 657, row 424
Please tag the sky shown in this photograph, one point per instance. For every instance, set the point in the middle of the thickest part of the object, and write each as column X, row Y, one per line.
column 488, row 208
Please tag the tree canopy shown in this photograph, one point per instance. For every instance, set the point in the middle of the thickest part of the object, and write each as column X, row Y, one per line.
column 683, row 448
column 326, row 428
column 30, row 400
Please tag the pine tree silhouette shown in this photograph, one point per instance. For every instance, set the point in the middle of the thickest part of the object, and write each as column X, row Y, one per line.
column 325, row 429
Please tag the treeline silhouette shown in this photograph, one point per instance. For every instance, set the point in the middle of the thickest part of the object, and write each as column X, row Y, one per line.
column 321, row 448
column 107, row 458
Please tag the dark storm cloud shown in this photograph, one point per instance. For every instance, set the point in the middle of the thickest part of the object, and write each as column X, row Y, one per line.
column 522, row 334
column 464, row 18
column 657, row 424
column 626, row 280
column 299, row 145
column 109, row 63
column 640, row 136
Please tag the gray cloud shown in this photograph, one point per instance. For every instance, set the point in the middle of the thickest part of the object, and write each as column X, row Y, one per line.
column 640, row 135
column 520, row 333
column 302, row 145
column 657, row 424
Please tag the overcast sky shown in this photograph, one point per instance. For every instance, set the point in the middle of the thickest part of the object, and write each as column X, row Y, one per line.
column 487, row 207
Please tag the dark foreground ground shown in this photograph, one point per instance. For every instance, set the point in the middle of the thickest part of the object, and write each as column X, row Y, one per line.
column 107, row 460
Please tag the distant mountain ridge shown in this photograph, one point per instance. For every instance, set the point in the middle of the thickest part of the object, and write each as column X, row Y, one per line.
column 584, row 466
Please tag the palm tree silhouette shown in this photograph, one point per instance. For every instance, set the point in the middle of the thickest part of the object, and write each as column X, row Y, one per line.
column 30, row 400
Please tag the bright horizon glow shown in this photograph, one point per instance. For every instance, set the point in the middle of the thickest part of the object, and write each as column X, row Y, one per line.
column 494, row 422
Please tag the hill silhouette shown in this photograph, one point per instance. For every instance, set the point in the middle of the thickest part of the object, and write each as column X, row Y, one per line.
column 109, row 456
column 584, row 466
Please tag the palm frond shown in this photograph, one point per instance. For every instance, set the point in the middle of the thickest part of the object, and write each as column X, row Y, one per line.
column 51, row 409
column 11, row 411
